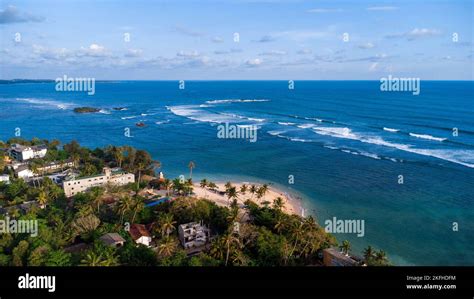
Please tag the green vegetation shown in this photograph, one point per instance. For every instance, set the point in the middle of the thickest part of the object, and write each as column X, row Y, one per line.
column 70, row 228
column 86, row 110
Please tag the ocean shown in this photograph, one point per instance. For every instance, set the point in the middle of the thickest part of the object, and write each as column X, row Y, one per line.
column 402, row 163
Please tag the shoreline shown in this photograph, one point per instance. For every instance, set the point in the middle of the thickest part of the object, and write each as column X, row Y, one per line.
column 291, row 205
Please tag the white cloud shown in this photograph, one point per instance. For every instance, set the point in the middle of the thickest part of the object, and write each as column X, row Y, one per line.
column 253, row 62
column 415, row 34
column 273, row 53
column 373, row 66
column 187, row 54
column 133, row 53
column 217, row 39
column 324, row 10
column 186, row 31
column 366, row 46
column 94, row 50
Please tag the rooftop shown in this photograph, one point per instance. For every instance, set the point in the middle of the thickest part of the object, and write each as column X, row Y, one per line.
column 112, row 238
column 138, row 230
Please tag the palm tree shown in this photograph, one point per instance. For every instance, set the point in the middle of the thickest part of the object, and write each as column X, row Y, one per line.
column 166, row 247
column 118, row 153
column 243, row 189
column 212, row 186
column 177, row 185
column 368, row 254
column 345, row 247
column 93, row 259
column 124, row 205
column 232, row 193
column 167, row 224
column 97, row 193
column 381, row 257
column 75, row 160
column 138, row 206
column 42, row 199
column 191, row 165
column 140, row 167
column 279, row 225
column 253, row 190
column 227, row 186
column 34, row 168
column 278, row 204
column 264, row 189
column 203, row 185
column 297, row 231
column 230, row 241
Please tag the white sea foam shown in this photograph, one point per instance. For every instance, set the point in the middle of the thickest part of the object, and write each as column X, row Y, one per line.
column 390, row 130
column 313, row 118
column 337, row 132
column 104, row 111
column 305, row 126
column 162, row 122
column 370, row 155
column 428, row 137
column 193, row 112
column 462, row 157
column 286, row 123
column 130, row 117
column 47, row 103
column 236, row 101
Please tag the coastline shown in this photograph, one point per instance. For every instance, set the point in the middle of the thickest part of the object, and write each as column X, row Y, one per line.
column 291, row 205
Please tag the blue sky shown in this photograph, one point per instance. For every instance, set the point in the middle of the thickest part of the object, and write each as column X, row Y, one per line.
column 279, row 39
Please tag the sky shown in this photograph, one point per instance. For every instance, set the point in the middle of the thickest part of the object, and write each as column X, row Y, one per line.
column 237, row 40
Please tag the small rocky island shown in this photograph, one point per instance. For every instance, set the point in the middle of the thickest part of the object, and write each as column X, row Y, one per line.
column 86, row 110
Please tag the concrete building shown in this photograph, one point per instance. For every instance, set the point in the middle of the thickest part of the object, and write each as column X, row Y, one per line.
column 112, row 176
column 23, row 153
column 4, row 178
column 24, row 172
column 193, row 235
column 334, row 257
column 140, row 234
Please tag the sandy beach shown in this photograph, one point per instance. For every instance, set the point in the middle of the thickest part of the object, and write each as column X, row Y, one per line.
column 291, row 205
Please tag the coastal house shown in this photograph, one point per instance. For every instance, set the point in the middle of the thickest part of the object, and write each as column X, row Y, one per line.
column 140, row 234
column 23, row 153
column 53, row 166
column 114, row 176
column 112, row 239
column 5, row 178
column 334, row 257
column 24, row 172
column 193, row 236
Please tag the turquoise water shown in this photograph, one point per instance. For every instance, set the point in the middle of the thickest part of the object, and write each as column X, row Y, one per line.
column 345, row 142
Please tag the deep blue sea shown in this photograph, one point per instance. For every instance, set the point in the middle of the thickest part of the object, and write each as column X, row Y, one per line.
column 345, row 142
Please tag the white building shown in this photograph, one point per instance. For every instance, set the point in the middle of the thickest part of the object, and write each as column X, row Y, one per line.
column 4, row 178
column 140, row 234
column 24, row 172
column 22, row 153
column 193, row 235
column 112, row 176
